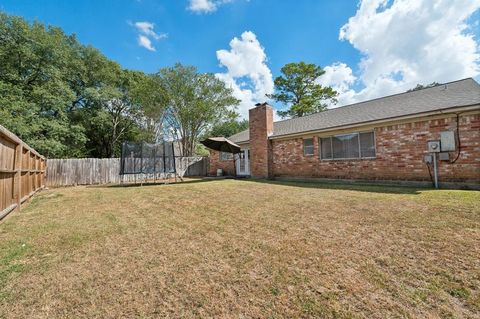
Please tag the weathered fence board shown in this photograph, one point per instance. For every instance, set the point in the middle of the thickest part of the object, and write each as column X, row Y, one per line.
column 22, row 171
column 92, row 171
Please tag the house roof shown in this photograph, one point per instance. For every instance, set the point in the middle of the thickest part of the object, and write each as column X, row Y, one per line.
column 460, row 93
column 243, row 136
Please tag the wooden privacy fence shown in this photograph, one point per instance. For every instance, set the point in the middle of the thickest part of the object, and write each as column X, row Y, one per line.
column 91, row 171
column 22, row 171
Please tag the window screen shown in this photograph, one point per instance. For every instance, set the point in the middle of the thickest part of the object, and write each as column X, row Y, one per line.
column 355, row 145
column 345, row 146
column 326, row 148
column 367, row 144
column 308, row 146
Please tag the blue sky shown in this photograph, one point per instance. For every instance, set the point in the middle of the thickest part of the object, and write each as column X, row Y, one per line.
column 385, row 47
column 289, row 30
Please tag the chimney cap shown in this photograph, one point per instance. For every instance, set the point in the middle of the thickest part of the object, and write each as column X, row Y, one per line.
column 261, row 104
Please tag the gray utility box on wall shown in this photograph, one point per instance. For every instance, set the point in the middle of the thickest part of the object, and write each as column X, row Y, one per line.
column 433, row 146
column 447, row 141
column 445, row 156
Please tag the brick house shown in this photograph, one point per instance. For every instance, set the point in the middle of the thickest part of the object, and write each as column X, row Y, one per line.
column 381, row 139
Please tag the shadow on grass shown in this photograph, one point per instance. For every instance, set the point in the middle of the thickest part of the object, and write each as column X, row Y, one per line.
column 341, row 185
column 157, row 183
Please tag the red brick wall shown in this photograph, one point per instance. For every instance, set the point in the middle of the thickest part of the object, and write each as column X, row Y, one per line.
column 261, row 127
column 216, row 163
column 400, row 151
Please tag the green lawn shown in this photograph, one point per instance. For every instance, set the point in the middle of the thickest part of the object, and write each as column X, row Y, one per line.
column 242, row 249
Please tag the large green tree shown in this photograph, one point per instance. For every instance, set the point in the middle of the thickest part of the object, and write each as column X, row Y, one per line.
column 229, row 127
column 191, row 103
column 68, row 100
column 298, row 89
column 34, row 92
column 61, row 97
column 113, row 114
column 151, row 94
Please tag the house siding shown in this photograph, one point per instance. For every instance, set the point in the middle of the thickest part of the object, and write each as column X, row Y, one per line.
column 401, row 145
column 400, row 151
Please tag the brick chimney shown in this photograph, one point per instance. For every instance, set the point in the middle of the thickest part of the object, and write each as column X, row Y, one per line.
column 261, row 127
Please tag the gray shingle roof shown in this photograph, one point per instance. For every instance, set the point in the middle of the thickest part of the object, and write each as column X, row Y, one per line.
column 243, row 136
column 449, row 95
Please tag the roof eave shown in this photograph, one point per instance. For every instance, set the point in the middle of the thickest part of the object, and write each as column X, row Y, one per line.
column 242, row 142
column 454, row 109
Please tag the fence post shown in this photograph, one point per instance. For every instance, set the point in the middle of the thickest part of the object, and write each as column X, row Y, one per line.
column 122, row 159
column 154, row 164
column 141, row 164
column 43, row 167
column 28, row 168
column 18, row 175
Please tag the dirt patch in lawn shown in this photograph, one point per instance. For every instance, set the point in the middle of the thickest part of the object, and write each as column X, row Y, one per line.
column 242, row 249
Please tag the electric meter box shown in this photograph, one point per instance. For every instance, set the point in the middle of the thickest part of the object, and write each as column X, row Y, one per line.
column 433, row 146
column 444, row 156
column 447, row 141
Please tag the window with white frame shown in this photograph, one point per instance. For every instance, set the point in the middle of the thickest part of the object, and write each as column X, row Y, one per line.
column 348, row 146
column 308, row 146
column 225, row 156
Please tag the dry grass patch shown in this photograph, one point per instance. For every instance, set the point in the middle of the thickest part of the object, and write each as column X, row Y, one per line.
column 242, row 249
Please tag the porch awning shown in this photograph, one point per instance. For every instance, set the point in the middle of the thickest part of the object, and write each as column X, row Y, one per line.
column 221, row 144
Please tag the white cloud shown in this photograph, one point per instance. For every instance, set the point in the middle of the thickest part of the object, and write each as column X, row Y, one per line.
column 247, row 72
column 340, row 77
column 205, row 6
column 147, row 34
column 147, row 28
column 406, row 42
column 145, row 42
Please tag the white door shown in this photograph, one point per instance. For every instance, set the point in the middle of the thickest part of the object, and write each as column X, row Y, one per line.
column 243, row 163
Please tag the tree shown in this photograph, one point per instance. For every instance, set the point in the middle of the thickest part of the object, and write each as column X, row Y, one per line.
column 68, row 100
column 229, row 128
column 113, row 114
column 34, row 91
column 421, row 86
column 63, row 98
column 298, row 88
column 193, row 103
column 226, row 128
column 150, row 93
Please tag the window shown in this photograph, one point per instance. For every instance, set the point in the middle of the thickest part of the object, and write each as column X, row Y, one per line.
column 367, row 144
column 345, row 146
column 225, row 156
column 308, row 146
column 348, row 146
column 326, row 148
